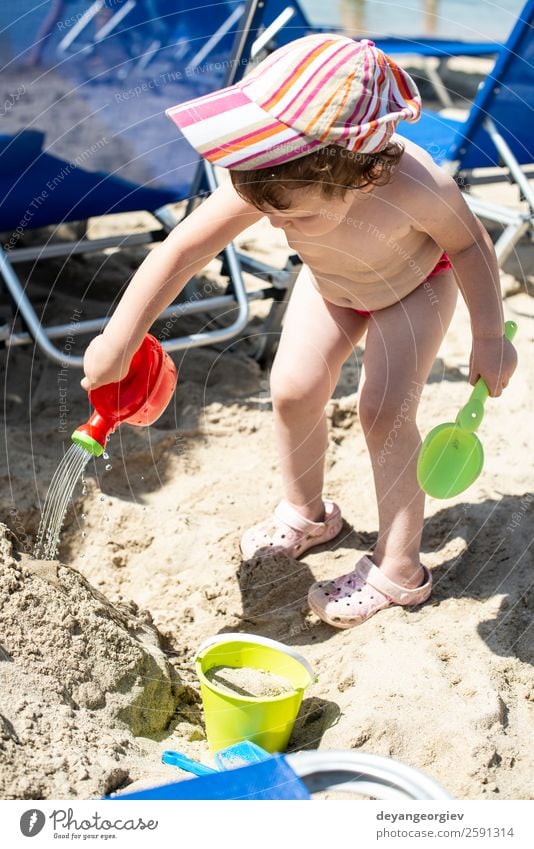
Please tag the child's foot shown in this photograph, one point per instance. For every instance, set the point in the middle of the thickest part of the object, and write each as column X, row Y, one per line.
column 353, row 598
column 289, row 532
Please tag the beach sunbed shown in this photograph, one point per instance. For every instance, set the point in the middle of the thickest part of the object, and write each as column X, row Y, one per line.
column 168, row 28
column 435, row 54
column 497, row 133
column 79, row 142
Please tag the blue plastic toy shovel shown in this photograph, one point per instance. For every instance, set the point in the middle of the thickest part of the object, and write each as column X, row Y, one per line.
column 185, row 763
column 239, row 754
column 452, row 457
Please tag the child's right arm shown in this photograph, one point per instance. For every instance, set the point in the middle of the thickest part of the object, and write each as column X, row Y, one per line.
column 162, row 276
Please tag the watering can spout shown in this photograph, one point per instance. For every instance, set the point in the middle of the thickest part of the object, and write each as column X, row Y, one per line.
column 138, row 399
column 92, row 436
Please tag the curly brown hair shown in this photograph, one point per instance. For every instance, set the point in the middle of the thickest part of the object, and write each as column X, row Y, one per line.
column 334, row 168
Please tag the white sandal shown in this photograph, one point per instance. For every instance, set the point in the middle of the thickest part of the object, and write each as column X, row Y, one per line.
column 289, row 532
column 353, row 598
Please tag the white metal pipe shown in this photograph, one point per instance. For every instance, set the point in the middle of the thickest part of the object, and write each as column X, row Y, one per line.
column 511, row 161
column 110, row 25
column 80, row 25
column 279, row 22
column 215, row 38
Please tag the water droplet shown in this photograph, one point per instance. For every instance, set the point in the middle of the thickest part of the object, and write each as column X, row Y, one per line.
column 84, row 534
column 83, row 517
column 142, row 478
column 105, row 455
column 101, row 498
column 108, row 467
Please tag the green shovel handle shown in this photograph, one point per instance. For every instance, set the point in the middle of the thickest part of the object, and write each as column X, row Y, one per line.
column 481, row 391
column 472, row 413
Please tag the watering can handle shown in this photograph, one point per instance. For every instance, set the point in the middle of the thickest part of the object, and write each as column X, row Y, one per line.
column 254, row 638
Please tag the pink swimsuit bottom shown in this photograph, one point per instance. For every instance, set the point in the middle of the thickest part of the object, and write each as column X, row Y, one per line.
column 443, row 264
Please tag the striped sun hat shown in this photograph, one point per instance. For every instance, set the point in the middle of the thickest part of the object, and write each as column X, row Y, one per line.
column 318, row 90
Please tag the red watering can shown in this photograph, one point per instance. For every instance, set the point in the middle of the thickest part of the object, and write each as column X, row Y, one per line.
column 138, row 399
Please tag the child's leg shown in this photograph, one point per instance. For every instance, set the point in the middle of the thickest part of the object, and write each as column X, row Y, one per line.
column 316, row 340
column 402, row 343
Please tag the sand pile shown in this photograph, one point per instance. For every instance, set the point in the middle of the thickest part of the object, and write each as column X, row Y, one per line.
column 79, row 678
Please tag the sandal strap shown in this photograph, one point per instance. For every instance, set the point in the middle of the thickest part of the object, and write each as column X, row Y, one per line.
column 287, row 514
column 400, row 595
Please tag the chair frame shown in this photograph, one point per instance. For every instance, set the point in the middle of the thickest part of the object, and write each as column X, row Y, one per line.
column 246, row 44
column 434, row 57
column 516, row 222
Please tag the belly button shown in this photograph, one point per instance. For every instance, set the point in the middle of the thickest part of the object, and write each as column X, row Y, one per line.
column 346, row 301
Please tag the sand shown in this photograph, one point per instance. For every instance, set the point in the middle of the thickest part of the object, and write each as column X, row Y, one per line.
column 245, row 681
column 96, row 651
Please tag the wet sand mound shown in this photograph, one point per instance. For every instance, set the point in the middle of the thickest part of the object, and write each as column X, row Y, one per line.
column 80, row 678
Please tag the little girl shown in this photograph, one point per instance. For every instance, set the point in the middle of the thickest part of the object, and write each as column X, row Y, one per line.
column 386, row 240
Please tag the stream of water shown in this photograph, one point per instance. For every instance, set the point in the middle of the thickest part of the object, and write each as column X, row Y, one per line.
column 57, row 500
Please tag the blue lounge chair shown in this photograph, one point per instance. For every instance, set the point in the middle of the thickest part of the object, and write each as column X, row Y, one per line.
column 496, row 133
column 434, row 52
column 437, row 48
column 429, row 49
column 84, row 134
column 440, row 49
column 498, row 129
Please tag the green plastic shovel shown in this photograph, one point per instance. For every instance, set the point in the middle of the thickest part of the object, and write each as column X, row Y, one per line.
column 452, row 457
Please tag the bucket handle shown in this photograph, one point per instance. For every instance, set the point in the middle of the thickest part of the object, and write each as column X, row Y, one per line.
column 261, row 641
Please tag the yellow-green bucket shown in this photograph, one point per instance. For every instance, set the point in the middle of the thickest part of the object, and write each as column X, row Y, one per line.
column 267, row 721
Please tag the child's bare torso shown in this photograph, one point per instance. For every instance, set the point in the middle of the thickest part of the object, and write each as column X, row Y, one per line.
column 375, row 256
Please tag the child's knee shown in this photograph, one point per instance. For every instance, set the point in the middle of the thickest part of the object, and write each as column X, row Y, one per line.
column 381, row 413
column 294, row 393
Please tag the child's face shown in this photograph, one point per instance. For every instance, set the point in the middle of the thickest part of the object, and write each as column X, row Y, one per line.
column 310, row 213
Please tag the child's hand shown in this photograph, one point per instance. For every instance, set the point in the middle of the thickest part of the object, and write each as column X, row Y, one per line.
column 494, row 359
column 104, row 363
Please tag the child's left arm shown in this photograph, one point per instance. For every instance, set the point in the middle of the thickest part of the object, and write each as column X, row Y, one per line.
column 441, row 211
